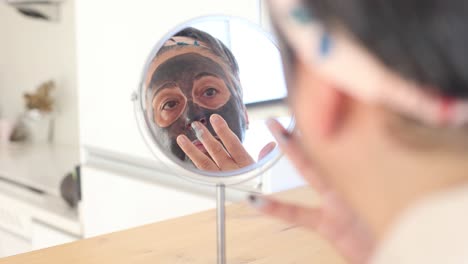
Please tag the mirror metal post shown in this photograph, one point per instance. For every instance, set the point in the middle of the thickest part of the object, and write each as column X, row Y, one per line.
column 221, row 222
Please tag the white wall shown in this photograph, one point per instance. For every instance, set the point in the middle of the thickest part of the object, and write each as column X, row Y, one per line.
column 33, row 51
column 114, row 39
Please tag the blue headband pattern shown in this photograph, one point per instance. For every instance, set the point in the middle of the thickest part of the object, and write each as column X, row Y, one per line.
column 301, row 16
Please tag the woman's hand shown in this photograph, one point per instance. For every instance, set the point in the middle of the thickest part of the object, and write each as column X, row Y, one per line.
column 334, row 219
column 224, row 154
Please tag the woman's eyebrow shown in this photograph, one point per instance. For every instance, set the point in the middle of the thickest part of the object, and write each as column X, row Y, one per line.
column 167, row 85
column 204, row 74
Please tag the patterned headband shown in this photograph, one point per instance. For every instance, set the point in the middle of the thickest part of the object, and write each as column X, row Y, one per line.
column 338, row 56
column 182, row 41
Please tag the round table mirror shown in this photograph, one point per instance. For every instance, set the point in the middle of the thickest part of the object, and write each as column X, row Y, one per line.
column 206, row 90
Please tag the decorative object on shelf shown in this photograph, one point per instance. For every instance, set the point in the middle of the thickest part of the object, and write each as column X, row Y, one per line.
column 36, row 123
column 6, row 130
column 41, row 100
column 19, row 132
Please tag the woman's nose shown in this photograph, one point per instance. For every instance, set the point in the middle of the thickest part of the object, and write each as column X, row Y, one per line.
column 202, row 119
column 195, row 113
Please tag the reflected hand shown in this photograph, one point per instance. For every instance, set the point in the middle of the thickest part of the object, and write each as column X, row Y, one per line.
column 334, row 219
column 223, row 153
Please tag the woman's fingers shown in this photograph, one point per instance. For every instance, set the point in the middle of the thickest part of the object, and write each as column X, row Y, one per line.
column 198, row 158
column 266, row 150
column 231, row 142
column 214, row 148
column 290, row 144
column 229, row 154
column 307, row 217
column 354, row 242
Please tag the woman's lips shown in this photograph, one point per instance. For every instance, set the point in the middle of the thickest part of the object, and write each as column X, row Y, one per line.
column 200, row 146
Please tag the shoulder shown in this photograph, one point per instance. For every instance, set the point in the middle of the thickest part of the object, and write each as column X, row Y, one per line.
column 434, row 230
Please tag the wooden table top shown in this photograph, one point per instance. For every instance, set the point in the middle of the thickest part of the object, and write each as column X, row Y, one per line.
column 251, row 238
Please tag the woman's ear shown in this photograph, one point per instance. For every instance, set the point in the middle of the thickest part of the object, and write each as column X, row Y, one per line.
column 327, row 104
column 333, row 105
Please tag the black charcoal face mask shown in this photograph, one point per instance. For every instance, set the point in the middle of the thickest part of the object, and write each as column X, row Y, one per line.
column 191, row 87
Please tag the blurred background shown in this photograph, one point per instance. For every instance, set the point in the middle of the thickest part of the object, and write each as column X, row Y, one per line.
column 72, row 162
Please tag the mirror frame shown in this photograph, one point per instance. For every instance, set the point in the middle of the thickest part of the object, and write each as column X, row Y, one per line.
column 175, row 166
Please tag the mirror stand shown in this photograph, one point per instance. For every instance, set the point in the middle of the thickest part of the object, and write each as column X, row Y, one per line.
column 221, row 222
column 208, row 51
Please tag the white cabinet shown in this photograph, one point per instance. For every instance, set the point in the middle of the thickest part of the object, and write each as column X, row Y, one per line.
column 118, row 195
column 45, row 235
column 15, row 228
column 113, row 201
column 30, row 220
column 41, row 236
column 12, row 244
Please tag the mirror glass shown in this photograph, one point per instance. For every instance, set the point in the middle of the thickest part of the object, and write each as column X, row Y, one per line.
column 206, row 91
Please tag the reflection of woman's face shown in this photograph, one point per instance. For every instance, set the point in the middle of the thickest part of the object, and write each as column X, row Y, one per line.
column 191, row 87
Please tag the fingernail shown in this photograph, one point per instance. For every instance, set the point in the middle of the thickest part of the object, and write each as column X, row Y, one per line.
column 215, row 118
column 270, row 122
column 182, row 140
column 257, row 201
column 198, row 129
column 279, row 136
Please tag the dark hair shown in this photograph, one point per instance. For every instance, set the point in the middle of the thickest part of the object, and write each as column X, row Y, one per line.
column 425, row 41
column 216, row 46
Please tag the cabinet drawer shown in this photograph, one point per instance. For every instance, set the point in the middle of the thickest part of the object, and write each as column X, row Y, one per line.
column 113, row 202
column 11, row 244
column 44, row 236
column 14, row 218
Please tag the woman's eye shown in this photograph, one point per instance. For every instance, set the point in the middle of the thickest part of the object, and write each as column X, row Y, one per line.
column 210, row 92
column 169, row 105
